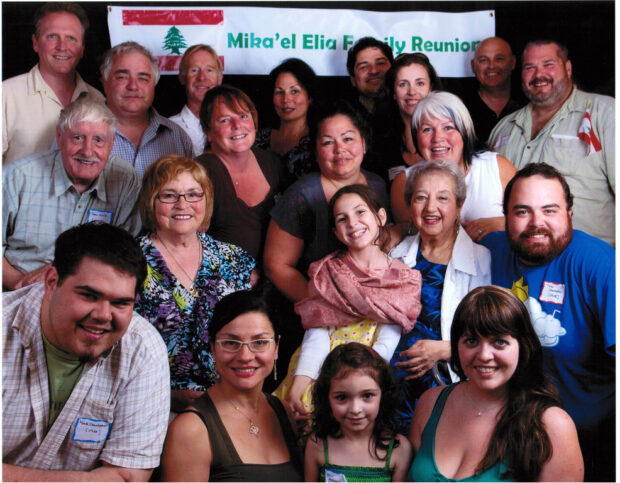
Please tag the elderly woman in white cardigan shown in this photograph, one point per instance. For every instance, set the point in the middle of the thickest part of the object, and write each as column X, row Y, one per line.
column 451, row 265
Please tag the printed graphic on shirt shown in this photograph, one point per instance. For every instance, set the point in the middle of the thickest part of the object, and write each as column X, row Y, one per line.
column 547, row 327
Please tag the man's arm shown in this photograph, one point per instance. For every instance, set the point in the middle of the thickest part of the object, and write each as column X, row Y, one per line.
column 103, row 473
column 10, row 275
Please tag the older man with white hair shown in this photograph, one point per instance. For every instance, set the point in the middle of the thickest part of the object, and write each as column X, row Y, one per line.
column 46, row 193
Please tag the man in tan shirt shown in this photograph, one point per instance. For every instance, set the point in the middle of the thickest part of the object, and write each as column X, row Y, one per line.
column 32, row 101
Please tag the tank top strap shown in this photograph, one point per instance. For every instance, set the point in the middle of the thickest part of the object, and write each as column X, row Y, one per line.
column 224, row 452
column 290, row 437
column 440, row 403
column 325, row 452
column 389, row 453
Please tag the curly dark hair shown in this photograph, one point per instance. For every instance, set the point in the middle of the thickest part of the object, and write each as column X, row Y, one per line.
column 339, row 363
column 520, row 439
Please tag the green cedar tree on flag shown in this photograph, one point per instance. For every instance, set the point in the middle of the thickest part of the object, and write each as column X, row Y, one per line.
column 174, row 41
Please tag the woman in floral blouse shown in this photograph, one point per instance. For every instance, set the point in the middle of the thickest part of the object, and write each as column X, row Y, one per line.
column 188, row 271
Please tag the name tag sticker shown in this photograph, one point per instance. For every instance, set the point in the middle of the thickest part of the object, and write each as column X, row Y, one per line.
column 501, row 141
column 334, row 476
column 99, row 215
column 90, row 430
column 552, row 293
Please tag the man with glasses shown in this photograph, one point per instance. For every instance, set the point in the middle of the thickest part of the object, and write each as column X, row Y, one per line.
column 46, row 193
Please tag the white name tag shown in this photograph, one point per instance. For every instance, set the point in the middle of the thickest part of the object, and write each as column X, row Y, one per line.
column 333, row 476
column 90, row 430
column 552, row 292
column 99, row 215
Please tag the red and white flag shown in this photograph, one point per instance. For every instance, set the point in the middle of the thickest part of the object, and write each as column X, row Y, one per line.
column 586, row 133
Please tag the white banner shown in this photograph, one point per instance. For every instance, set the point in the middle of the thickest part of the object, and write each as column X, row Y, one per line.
column 253, row 40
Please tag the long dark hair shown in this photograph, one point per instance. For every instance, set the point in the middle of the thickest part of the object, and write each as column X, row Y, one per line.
column 342, row 360
column 519, row 440
column 368, row 196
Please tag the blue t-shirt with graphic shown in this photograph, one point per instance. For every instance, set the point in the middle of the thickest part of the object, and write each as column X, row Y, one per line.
column 571, row 301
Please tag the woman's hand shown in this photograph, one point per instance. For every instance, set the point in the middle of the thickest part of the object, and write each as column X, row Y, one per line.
column 478, row 229
column 295, row 393
column 423, row 355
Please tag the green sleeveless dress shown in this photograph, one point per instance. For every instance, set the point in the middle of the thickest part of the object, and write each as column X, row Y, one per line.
column 424, row 467
column 355, row 473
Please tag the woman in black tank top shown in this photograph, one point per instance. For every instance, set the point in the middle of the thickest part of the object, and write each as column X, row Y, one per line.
column 235, row 432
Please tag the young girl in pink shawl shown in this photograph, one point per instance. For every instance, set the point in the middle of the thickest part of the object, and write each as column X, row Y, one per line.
column 357, row 295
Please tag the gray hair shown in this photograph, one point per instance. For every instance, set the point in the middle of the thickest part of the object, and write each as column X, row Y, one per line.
column 127, row 48
column 446, row 168
column 86, row 109
column 444, row 105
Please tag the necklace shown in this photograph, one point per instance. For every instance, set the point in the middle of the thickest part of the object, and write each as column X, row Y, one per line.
column 191, row 279
column 479, row 412
column 254, row 430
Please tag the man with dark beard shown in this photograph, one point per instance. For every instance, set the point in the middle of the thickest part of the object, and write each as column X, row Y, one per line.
column 567, row 128
column 566, row 279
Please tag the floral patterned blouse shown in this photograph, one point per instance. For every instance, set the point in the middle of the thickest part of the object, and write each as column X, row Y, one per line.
column 182, row 316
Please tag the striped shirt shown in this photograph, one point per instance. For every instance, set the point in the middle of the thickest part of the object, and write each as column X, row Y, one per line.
column 161, row 137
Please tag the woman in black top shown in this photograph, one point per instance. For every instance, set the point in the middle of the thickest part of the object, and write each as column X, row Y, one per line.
column 247, row 435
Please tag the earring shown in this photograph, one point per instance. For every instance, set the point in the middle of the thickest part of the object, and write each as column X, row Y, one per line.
column 457, row 224
column 275, row 372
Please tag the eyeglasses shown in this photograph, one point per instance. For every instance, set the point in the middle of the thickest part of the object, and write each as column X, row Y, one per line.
column 257, row 345
column 171, row 198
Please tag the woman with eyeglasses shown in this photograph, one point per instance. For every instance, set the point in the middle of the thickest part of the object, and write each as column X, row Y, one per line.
column 188, row 270
column 235, row 431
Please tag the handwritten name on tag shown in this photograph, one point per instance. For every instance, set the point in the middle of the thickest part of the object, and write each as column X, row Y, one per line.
column 552, row 293
column 99, row 215
column 90, row 430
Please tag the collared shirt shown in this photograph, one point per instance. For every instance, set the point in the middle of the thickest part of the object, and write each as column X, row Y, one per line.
column 591, row 177
column 40, row 202
column 30, row 113
column 118, row 411
column 161, row 137
column 191, row 125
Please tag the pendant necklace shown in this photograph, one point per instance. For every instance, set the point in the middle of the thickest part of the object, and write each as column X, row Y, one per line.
column 479, row 412
column 254, row 430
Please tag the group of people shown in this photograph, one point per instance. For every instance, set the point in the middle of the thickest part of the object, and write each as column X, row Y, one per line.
column 442, row 306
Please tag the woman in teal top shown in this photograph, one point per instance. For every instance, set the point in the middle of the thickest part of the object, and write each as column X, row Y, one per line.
column 504, row 422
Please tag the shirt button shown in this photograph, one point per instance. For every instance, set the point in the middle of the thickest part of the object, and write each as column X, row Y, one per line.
column 529, row 147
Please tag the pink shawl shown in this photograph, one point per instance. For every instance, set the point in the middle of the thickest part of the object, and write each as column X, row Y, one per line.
column 341, row 292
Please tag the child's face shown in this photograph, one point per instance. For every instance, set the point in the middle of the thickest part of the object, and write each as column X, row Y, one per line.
column 357, row 226
column 355, row 400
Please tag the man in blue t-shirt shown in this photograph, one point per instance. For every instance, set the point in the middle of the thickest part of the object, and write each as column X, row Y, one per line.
column 566, row 279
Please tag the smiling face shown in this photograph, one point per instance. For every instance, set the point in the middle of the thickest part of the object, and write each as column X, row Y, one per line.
column 538, row 223
column 59, row 44
column 231, row 131
column 357, row 226
column 182, row 217
column 290, row 99
column 340, row 148
column 90, row 310
column 369, row 71
column 245, row 369
column 493, row 63
column 489, row 362
column 546, row 78
column 201, row 75
column 85, row 149
column 440, row 140
column 354, row 399
column 130, row 86
column 411, row 84
column 434, row 210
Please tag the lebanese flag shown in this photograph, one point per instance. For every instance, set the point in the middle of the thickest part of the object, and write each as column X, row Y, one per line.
column 586, row 133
